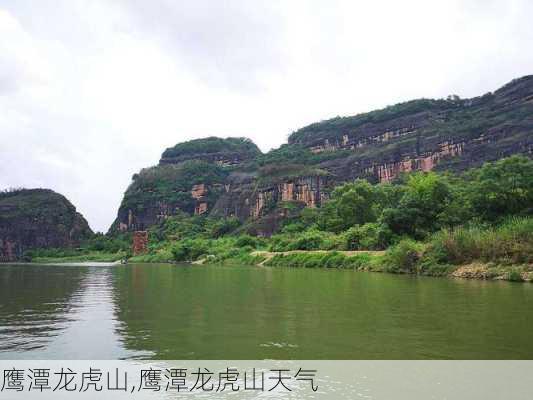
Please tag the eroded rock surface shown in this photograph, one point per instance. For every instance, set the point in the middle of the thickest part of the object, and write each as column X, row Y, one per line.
column 230, row 177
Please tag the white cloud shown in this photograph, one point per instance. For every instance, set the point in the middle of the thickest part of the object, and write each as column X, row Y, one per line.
column 92, row 91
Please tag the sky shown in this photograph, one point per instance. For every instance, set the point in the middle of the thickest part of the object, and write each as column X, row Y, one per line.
column 91, row 91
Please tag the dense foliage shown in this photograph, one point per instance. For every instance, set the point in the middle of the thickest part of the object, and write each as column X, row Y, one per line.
column 172, row 184
column 330, row 128
column 426, row 223
column 36, row 203
column 35, row 218
column 98, row 247
column 500, row 120
column 210, row 145
column 420, row 208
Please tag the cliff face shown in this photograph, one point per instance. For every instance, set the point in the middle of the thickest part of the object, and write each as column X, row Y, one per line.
column 425, row 134
column 230, row 177
column 38, row 218
column 264, row 202
column 190, row 178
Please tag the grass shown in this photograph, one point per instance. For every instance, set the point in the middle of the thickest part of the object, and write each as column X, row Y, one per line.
column 326, row 259
column 503, row 252
column 509, row 243
column 475, row 251
column 92, row 256
column 158, row 256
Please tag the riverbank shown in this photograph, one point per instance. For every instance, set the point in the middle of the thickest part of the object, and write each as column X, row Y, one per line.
column 91, row 256
column 369, row 261
column 503, row 252
column 476, row 225
column 376, row 261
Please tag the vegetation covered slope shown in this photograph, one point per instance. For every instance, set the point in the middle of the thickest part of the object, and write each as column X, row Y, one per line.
column 227, row 151
column 231, row 178
column 496, row 122
column 427, row 222
column 38, row 218
column 190, row 178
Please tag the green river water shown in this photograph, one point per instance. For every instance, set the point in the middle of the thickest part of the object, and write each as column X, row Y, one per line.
column 177, row 312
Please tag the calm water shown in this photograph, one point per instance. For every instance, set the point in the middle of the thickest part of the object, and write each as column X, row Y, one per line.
column 182, row 312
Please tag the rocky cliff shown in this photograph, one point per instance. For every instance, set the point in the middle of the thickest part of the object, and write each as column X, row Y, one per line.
column 223, row 152
column 230, row 177
column 190, row 177
column 38, row 218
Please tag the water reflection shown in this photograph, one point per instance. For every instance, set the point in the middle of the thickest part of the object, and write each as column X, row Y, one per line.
column 55, row 312
column 182, row 312
column 261, row 313
column 35, row 305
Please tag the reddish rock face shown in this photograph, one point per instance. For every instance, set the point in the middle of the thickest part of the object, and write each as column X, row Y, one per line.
column 305, row 190
column 419, row 135
column 200, row 208
column 140, row 242
column 260, row 201
column 388, row 171
column 198, row 191
column 7, row 250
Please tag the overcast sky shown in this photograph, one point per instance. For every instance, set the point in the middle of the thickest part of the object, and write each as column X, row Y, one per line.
column 92, row 91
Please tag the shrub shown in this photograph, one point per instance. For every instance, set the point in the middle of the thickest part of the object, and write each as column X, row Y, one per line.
column 247, row 240
column 370, row 236
column 189, row 249
column 359, row 261
column 322, row 260
column 308, row 240
column 515, row 276
column 511, row 242
column 404, row 256
column 334, row 260
column 159, row 256
column 223, row 226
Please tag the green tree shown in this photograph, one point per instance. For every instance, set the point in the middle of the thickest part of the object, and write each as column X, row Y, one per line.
column 503, row 188
column 422, row 206
column 350, row 204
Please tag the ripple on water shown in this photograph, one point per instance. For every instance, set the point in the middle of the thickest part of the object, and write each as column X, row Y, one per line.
column 281, row 345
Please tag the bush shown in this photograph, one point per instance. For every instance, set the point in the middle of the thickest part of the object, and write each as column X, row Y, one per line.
column 189, row 249
column 514, row 276
column 511, row 242
column 308, row 240
column 247, row 240
column 223, row 226
column 358, row 262
column 404, row 256
column 305, row 260
column 322, row 260
column 334, row 260
column 370, row 236
column 158, row 256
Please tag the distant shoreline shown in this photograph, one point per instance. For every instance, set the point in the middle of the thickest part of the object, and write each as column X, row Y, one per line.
column 286, row 259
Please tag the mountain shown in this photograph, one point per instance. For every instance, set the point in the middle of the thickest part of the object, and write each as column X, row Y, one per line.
column 38, row 218
column 231, row 177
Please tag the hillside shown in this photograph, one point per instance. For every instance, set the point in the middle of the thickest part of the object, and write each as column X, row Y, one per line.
column 231, row 178
column 38, row 218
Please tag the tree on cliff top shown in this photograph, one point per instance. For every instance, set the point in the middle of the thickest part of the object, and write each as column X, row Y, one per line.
column 211, row 145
